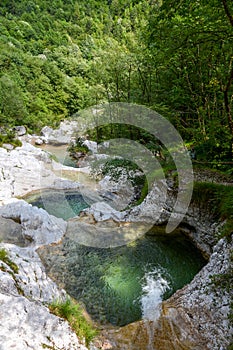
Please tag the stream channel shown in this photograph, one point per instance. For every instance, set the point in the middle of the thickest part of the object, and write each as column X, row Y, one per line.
column 123, row 284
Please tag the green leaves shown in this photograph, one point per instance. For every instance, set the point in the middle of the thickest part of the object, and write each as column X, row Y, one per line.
column 12, row 100
column 175, row 57
column 73, row 313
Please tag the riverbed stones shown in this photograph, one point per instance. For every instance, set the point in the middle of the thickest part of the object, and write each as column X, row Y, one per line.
column 26, row 169
column 39, row 141
column 91, row 145
column 102, row 211
column 20, row 130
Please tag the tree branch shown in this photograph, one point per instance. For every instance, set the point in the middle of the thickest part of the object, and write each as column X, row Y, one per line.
column 227, row 11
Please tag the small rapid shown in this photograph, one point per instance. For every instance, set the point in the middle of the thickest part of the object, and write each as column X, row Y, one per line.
column 154, row 287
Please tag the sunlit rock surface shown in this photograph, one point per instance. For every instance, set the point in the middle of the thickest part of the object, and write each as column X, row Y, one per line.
column 27, row 169
column 38, row 227
column 29, row 325
column 24, row 293
column 63, row 135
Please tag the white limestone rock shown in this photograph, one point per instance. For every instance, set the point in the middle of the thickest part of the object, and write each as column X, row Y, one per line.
column 11, row 232
column 118, row 193
column 63, row 135
column 30, row 279
column 26, row 169
column 91, row 145
column 153, row 209
column 20, row 130
column 101, row 211
column 37, row 225
column 207, row 302
column 39, row 141
column 29, row 325
column 8, row 146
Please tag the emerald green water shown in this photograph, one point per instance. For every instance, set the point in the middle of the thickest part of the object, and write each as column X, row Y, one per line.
column 62, row 204
column 121, row 285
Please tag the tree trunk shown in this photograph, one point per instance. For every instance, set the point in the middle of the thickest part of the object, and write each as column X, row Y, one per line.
column 228, row 85
column 228, row 107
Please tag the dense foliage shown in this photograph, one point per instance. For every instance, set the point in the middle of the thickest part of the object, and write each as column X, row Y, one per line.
column 59, row 57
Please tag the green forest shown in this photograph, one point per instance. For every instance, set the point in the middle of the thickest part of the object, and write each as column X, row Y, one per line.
column 175, row 57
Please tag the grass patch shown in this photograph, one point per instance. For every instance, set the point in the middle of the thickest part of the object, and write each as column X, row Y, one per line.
column 72, row 312
column 218, row 201
column 144, row 193
column 5, row 258
column 9, row 138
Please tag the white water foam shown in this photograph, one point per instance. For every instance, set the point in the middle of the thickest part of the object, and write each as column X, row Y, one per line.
column 153, row 288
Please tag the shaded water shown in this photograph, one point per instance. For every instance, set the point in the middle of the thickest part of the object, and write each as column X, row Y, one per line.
column 62, row 204
column 122, row 285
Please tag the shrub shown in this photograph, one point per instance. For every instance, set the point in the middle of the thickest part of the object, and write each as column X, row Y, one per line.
column 78, row 147
column 9, row 138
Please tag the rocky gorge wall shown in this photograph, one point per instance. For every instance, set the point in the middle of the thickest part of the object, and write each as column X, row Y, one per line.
column 195, row 317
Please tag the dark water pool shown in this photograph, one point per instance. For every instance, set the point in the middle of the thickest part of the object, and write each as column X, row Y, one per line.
column 121, row 285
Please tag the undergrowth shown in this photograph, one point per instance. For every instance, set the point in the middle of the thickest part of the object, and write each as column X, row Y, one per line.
column 9, row 137
column 72, row 312
column 78, row 147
